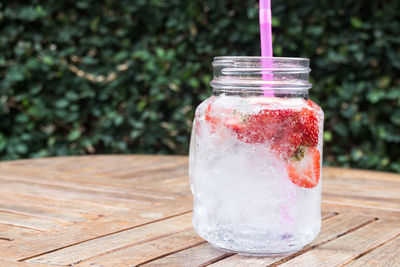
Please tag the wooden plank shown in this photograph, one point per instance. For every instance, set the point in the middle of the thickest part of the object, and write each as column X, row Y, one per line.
column 331, row 228
column 201, row 255
column 82, row 251
column 142, row 162
column 101, row 183
column 68, row 205
column 10, row 233
column 81, row 232
column 367, row 203
column 173, row 183
column 354, row 208
column 141, row 253
column 62, row 194
column 112, row 167
column 363, row 192
column 163, row 209
column 356, row 182
column 344, row 173
column 327, row 214
column 122, row 191
column 73, row 192
column 154, row 170
column 29, row 222
column 8, row 263
column 242, row 260
column 163, row 164
column 51, row 240
column 24, row 208
column 87, row 177
column 348, row 247
column 385, row 255
column 96, row 163
column 112, row 164
column 181, row 170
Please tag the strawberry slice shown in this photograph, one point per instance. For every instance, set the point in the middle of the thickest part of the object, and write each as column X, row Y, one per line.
column 215, row 115
column 309, row 124
column 277, row 126
column 287, row 145
column 213, row 120
column 266, row 125
column 306, row 172
column 220, row 117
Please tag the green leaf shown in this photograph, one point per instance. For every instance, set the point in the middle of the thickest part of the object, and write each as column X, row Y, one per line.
column 21, row 148
column 356, row 22
column 48, row 60
column 327, row 136
column 275, row 22
column 22, row 118
column 15, row 74
column 74, row 135
column 62, row 103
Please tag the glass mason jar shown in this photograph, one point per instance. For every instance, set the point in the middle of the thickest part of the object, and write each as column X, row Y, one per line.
column 256, row 156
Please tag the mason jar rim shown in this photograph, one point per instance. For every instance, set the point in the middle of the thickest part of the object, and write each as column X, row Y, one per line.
column 275, row 63
column 255, row 73
column 259, row 57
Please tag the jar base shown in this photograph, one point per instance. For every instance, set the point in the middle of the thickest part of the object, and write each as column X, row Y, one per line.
column 261, row 254
column 257, row 243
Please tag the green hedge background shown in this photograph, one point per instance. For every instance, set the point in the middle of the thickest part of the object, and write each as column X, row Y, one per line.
column 89, row 76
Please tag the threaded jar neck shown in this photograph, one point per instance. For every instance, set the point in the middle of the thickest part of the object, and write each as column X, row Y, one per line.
column 280, row 75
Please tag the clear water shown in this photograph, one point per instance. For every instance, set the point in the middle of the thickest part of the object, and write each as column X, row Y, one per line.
column 243, row 198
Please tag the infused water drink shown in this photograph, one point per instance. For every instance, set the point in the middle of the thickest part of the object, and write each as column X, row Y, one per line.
column 255, row 160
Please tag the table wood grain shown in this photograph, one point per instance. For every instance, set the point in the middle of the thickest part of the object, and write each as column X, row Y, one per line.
column 136, row 211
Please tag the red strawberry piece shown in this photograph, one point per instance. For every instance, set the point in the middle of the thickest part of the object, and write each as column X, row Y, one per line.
column 279, row 127
column 306, row 172
column 309, row 124
column 219, row 117
column 313, row 105
column 208, row 117
column 254, row 129
column 213, row 115
column 287, row 145
column 293, row 143
column 267, row 125
column 234, row 122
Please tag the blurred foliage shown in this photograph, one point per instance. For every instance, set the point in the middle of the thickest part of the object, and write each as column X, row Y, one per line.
column 87, row 76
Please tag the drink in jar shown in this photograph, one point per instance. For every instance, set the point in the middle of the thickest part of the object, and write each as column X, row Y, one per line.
column 255, row 160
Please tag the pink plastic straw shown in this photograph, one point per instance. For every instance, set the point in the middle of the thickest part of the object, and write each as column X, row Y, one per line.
column 266, row 41
column 266, row 51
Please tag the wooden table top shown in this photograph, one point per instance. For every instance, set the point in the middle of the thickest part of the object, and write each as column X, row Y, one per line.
column 136, row 210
